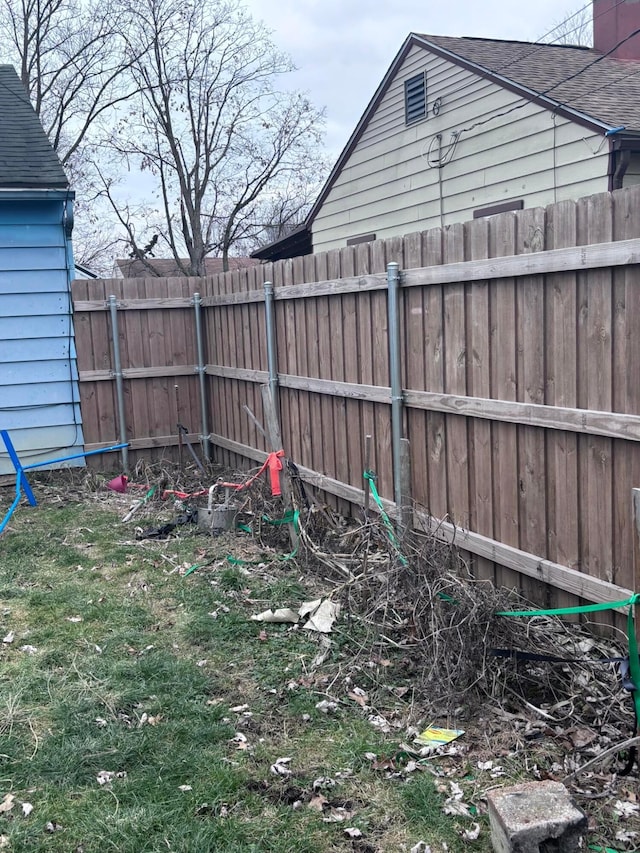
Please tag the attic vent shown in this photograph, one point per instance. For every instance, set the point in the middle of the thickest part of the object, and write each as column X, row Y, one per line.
column 415, row 98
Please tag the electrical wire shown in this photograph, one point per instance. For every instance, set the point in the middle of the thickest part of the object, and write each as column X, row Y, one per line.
column 523, row 103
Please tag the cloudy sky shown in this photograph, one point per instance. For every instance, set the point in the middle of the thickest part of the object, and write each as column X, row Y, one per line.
column 343, row 47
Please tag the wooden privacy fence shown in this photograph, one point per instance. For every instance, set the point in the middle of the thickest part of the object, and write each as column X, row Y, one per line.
column 519, row 342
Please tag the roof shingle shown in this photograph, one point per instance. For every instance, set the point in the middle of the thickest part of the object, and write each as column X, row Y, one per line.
column 607, row 91
column 27, row 158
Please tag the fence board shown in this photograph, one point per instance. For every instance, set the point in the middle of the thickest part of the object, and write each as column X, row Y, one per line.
column 530, row 380
column 502, row 301
column 414, row 367
column 438, row 497
column 596, row 468
column 455, row 376
column 560, row 390
column 479, row 375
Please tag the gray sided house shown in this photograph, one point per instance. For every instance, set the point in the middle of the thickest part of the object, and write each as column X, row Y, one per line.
column 39, row 397
column 462, row 128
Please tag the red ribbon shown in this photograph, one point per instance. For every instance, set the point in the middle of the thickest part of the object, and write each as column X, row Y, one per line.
column 273, row 464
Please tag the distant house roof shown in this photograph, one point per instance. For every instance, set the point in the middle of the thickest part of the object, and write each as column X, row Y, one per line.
column 27, row 158
column 168, row 268
column 582, row 84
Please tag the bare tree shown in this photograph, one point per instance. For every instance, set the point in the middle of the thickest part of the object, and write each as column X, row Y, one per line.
column 71, row 58
column 73, row 61
column 212, row 126
column 573, row 28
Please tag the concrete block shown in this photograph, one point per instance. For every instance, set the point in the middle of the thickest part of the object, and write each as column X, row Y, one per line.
column 535, row 817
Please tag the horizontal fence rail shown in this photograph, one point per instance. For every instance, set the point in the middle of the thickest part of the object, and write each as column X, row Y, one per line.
column 518, row 339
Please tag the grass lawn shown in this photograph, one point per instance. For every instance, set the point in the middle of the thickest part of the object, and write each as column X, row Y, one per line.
column 142, row 710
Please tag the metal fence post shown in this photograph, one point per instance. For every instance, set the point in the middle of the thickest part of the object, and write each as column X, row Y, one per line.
column 117, row 374
column 200, row 369
column 395, row 375
column 272, row 352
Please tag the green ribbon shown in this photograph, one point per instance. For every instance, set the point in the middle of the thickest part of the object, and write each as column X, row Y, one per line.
column 634, row 662
column 370, row 476
column 565, row 611
column 290, row 517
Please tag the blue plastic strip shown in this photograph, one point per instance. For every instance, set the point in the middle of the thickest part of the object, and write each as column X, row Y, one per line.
column 21, row 479
column 11, row 509
column 74, row 456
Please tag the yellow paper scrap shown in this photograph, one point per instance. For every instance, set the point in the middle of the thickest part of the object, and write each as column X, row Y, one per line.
column 438, row 737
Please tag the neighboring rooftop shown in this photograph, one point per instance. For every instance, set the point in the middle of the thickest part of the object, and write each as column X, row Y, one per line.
column 168, row 268
column 606, row 90
column 27, row 158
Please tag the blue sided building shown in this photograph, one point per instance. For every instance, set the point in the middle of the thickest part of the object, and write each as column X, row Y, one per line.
column 39, row 394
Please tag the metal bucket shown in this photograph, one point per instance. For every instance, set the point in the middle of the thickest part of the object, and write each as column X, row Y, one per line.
column 219, row 517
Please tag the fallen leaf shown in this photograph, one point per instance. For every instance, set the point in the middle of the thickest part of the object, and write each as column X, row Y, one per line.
column 620, row 808
column 106, row 776
column 7, row 803
column 325, row 648
column 283, row 614
column 279, row 768
column 473, row 833
column 358, row 695
column 352, row 832
column 317, row 803
column 9, row 638
column 383, row 764
column 324, row 782
column 626, row 836
column 326, row 706
column 379, row 722
column 581, row 737
column 337, row 815
column 455, row 807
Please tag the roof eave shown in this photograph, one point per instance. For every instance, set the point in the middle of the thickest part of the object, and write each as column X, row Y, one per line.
column 51, row 193
column 299, row 237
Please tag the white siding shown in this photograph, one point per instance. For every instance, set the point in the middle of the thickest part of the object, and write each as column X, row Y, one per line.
column 509, row 149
